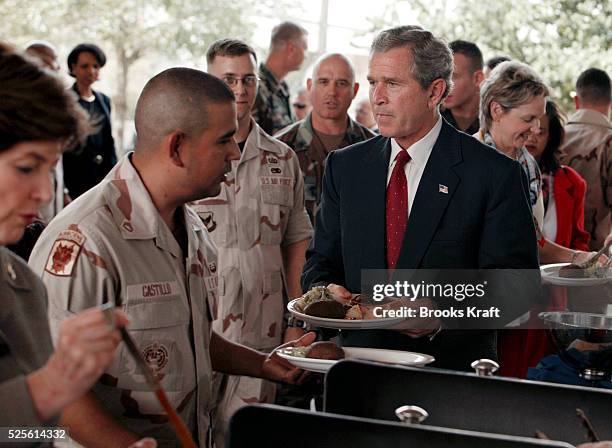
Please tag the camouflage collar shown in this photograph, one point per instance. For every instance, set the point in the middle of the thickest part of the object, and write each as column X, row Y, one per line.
column 305, row 133
column 588, row 116
column 132, row 208
column 273, row 84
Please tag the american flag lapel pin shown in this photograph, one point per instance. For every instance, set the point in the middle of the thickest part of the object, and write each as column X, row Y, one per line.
column 442, row 189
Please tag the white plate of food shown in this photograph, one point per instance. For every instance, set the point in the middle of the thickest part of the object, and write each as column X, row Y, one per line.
column 550, row 274
column 337, row 314
column 298, row 356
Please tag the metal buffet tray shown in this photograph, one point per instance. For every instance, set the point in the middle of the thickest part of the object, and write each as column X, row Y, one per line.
column 279, row 427
column 466, row 401
column 584, row 341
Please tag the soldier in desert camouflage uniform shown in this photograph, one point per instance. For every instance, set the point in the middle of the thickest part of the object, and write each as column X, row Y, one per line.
column 132, row 242
column 261, row 229
column 272, row 108
column 588, row 149
column 328, row 127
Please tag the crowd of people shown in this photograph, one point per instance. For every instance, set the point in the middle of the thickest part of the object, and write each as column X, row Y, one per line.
column 239, row 197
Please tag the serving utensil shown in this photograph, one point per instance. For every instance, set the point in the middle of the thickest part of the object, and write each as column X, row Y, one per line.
column 540, row 435
column 586, row 268
column 177, row 423
column 591, row 261
column 175, row 420
column 591, row 434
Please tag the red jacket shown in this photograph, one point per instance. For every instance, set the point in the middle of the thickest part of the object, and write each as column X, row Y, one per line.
column 569, row 191
column 521, row 349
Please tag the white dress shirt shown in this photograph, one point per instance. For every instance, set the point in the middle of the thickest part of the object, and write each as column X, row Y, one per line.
column 419, row 154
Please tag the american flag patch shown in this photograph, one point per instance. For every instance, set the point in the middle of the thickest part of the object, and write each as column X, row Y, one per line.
column 442, row 189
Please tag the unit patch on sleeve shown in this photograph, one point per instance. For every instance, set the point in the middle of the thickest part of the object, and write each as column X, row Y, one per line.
column 64, row 253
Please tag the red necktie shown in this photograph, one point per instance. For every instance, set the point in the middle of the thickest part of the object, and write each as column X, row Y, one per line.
column 397, row 208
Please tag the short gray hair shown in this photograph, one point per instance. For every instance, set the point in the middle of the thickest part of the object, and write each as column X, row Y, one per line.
column 284, row 32
column 511, row 84
column 431, row 57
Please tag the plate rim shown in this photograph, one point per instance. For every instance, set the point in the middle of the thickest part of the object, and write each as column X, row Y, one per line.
column 568, row 281
column 343, row 324
column 326, row 364
column 428, row 358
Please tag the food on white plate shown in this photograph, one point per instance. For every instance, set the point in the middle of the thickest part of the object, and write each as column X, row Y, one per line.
column 314, row 295
column 592, row 268
column 320, row 350
column 326, row 308
column 325, row 350
column 355, row 313
column 320, row 302
column 577, row 271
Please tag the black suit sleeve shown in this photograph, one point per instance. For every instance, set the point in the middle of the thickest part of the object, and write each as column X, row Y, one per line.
column 508, row 236
column 508, row 251
column 324, row 262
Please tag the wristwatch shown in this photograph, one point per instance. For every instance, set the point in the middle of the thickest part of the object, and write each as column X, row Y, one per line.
column 293, row 321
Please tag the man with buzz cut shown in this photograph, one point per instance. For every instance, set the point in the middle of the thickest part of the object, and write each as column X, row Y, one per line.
column 132, row 242
column 261, row 229
column 588, row 149
column 272, row 108
column 328, row 126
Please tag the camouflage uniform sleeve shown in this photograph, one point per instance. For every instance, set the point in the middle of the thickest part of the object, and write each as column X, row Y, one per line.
column 606, row 175
column 298, row 224
column 76, row 274
column 260, row 108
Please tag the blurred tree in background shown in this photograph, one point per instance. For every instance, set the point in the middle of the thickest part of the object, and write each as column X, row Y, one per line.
column 128, row 30
column 558, row 38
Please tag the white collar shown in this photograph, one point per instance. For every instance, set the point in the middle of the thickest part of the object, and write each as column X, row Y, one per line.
column 419, row 151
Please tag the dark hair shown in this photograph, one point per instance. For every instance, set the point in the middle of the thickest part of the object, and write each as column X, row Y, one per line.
column 228, row 47
column 493, row 62
column 35, row 104
column 549, row 160
column 470, row 50
column 285, row 31
column 73, row 57
column 178, row 98
column 431, row 57
column 593, row 86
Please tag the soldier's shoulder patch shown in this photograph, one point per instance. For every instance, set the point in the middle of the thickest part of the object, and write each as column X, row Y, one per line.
column 64, row 253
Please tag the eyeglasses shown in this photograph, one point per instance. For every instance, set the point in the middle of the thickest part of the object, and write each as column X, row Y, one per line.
column 299, row 105
column 248, row 80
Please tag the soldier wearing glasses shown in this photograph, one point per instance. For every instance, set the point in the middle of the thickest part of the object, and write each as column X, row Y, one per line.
column 261, row 229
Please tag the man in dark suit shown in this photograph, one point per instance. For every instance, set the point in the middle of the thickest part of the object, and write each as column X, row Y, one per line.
column 420, row 196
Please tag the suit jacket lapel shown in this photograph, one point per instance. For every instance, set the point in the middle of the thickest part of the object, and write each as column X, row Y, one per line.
column 102, row 103
column 430, row 203
column 99, row 98
column 371, row 193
